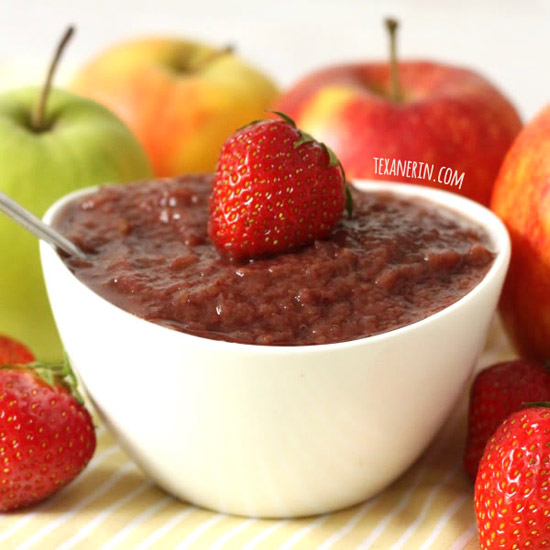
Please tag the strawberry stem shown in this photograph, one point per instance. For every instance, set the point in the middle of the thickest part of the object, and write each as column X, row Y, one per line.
column 286, row 118
column 536, row 404
column 334, row 160
column 53, row 374
column 349, row 199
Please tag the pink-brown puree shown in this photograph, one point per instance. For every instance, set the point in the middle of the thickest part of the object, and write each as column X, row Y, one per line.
column 393, row 263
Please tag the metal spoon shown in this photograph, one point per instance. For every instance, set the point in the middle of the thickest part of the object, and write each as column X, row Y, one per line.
column 37, row 227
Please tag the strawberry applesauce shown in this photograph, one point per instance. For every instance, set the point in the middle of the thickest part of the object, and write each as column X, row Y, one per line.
column 396, row 261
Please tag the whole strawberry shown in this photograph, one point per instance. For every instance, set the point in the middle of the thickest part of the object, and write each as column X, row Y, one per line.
column 512, row 491
column 46, row 434
column 497, row 392
column 12, row 352
column 275, row 189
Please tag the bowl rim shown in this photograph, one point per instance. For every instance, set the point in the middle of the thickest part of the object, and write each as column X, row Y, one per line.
column 461, row 206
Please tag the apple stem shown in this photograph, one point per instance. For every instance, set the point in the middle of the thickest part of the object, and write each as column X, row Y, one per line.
column 212, row 56
column 396, row 91
column 38, row 114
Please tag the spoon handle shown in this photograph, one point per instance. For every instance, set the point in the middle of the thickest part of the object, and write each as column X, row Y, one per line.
column 37, row 227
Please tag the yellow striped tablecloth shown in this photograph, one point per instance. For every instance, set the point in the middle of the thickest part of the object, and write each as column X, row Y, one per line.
column 112, row 505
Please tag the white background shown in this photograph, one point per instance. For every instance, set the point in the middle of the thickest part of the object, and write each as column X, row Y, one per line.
column 507, row 40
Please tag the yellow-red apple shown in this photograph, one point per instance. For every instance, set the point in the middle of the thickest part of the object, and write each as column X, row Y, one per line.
column 444, row 126
column 521, row 198
column 182, row 99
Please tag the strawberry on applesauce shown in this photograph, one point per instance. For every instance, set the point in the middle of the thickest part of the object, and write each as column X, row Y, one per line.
column 393, row 262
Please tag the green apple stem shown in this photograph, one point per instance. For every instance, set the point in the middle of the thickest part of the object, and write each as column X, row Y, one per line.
column 38, row 122
column 396, row 90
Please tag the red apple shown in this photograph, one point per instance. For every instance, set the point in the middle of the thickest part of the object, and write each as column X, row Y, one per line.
column 449, row 126
column 521, row 198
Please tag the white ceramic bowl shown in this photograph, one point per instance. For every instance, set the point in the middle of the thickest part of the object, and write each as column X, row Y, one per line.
column 275, row 431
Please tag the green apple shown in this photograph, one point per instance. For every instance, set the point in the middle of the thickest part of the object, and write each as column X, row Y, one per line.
column 75, row 143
